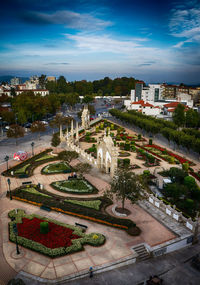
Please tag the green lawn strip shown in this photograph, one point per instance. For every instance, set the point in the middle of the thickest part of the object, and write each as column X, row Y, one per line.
column 45, row 156
column 94, row 204
column 22, row 169
column 30, row 164
column 58, row 167
column 75, row 186
column 94, row 239
column 56, row 202
column 34, row 191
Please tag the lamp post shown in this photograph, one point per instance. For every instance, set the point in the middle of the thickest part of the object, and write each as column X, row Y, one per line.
column 9, row 182
column 1, row 126
column 32, row 144
column 16, row 233
column 6, row 158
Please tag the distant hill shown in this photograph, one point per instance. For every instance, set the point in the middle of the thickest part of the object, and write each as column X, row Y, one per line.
column 7, row 78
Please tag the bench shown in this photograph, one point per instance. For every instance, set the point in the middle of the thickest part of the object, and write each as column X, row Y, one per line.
column 83, row 227
column 23, row 176
column 46, row 208
column 26, row 182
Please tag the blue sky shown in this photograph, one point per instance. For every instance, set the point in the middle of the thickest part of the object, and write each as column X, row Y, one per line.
column 149, row 40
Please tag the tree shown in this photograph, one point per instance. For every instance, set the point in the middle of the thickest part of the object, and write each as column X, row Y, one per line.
column 12, row 92
column 125, row 185
column 179, row 115
column 15, row 131
column 83, row 168
column 88, row 99
column 192, row 118
column 42, row 80
column 55, row 141
column 38, row 127
column 59, row 121
column 71, row 99
column 67, row 155
column 8, row 116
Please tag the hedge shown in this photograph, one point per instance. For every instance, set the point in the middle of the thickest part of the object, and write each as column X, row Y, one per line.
column 77, row 244
column 33, row 163
column 56, row 203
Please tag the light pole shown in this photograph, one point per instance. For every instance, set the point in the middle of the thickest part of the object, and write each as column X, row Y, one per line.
column 9, row 182
column 1, row 126
column 16, row 233
column 32, row 144
column 6, row 158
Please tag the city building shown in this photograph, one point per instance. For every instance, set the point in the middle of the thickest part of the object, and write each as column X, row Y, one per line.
column 145, row 108
column 15, row 81
column 51, row 78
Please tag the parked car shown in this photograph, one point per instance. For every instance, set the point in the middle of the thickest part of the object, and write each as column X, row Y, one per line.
column 27, row 125
column 44, row 122
column 20, row 155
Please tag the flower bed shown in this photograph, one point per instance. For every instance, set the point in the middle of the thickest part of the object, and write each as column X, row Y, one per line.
column 28, row 165
column 195, row 175
column 178, row 157
column 58, row 167
column 55, row 202
column 74, row 186
column 60, row 240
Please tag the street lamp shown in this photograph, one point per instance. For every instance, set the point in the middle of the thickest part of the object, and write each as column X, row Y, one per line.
column 9, row 182
column 6, row 158
column 32, row 144
column 1, row 126
column 16, row 233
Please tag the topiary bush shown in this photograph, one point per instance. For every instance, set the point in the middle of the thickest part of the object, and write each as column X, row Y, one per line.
column 150, row 141
column 44, row 227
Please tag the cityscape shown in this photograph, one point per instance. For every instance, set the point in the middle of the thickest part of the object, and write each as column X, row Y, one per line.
column 100, row 142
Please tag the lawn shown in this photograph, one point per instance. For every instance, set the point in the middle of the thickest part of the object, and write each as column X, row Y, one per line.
column 45, row 156
column 31, row 189
column 22, row 170
column 58, row 167
column 75, row 186
column 94, row 204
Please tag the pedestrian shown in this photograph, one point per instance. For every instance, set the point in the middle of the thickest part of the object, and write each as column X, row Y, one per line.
column 91, row 272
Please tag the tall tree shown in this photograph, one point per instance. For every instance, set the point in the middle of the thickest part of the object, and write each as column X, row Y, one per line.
column 67, row 155
column 15, row 131
column 179, row 115
column 42, row 80
column 125, row 185
column 192, row 118
column 38, row 127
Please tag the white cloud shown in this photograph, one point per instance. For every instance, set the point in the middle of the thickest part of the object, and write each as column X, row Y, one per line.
column 68, row 18
column 185, row 24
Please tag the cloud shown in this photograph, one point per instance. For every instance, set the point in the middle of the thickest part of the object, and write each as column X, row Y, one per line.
column 68, row 18
column 185, row 23
column 57, row 63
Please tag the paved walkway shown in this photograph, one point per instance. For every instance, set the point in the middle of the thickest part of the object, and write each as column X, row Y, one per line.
column 117, row 247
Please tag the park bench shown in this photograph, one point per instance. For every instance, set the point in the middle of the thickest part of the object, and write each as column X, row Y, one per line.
column 26, row 182
column 23, row 176
column 83, row 227
column 46, row 208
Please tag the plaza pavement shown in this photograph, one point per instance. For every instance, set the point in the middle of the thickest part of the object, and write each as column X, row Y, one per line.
column 117, row 246
column 118, row 242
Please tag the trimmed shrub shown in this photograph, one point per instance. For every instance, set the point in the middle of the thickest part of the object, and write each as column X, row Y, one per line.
column 44, row 227
column 185, row 166
column 126, row 162
column 127, row 146
column 150, row 141
column 139, row 136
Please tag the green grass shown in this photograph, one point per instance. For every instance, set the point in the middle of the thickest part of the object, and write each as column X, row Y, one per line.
column 45, row 156
column 94, row 204
column 57, row 167
column 79, row 186
column 34, row 191
column 22, row 169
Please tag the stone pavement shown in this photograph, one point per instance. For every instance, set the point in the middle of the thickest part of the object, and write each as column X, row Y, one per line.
column 117, row 247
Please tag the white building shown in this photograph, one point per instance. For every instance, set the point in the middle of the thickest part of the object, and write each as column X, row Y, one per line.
column 151, row 94
column 145, row 108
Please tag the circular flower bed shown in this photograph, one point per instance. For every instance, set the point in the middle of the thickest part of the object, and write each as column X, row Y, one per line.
column 74, row 186
column 58, row 167
column 124, row 154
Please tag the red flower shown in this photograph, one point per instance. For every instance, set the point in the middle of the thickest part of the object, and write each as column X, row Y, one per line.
column 58, row 236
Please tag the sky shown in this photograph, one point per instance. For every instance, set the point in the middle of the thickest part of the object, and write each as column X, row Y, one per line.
column 151, row 40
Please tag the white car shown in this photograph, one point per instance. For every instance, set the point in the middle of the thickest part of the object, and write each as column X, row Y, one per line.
column 45, row 122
